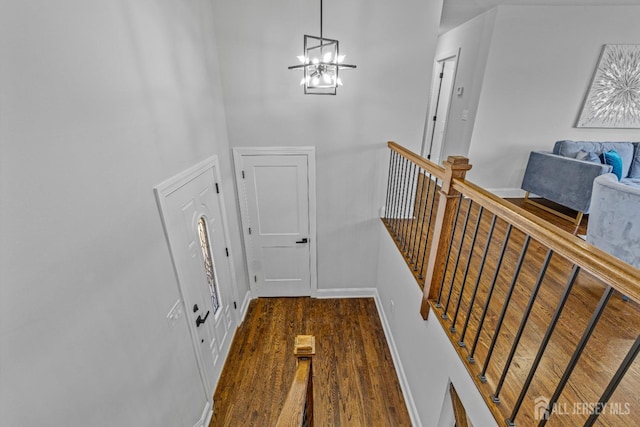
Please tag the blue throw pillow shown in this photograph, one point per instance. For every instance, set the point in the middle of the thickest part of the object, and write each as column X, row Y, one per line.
column 613, row 158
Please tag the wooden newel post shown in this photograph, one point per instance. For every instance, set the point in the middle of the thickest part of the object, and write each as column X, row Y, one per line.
column 455, row 167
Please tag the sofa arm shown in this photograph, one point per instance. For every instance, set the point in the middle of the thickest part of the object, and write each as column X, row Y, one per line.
column 563, row 180
column 613, row 223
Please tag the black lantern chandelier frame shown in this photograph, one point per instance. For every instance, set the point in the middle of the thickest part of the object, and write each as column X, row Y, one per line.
column 321, row 63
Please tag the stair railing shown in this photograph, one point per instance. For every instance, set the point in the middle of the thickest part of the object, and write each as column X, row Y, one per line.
column 519, row 298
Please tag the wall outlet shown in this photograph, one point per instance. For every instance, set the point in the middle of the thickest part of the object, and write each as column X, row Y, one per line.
column 175, row 313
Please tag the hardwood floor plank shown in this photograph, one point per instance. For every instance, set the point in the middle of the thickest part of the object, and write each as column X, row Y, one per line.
column 354, row 379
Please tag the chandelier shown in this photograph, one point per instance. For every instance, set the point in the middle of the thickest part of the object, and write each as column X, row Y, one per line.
column 320, row 62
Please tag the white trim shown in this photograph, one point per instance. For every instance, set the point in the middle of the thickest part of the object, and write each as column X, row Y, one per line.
column 244, row 307
column 310, row 152
column 227, row 238
column 205, row 418
column 397, row 362
column 395, row 355
column 346, row 293
column 513, row 193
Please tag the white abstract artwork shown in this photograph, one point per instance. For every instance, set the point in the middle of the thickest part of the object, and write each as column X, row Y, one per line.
column 613, row 100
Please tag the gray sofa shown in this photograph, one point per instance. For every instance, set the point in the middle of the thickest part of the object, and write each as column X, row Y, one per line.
column 566, row 175
column 613, row 221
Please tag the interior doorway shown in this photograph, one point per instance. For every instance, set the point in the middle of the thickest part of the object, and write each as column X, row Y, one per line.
column 434, row 137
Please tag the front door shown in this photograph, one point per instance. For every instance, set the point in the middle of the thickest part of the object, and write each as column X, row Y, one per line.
column 192, row 216
column 279, row 231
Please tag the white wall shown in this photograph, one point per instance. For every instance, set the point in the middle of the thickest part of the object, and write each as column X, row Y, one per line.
column 100, row 101
column 472, row 40
column 385, row 98
column 540, row 65
column 428, row 357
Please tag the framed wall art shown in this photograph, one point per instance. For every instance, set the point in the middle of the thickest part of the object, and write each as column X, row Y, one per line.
column 613, row 99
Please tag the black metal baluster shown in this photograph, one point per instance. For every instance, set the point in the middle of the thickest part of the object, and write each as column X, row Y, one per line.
column 466, row 269
column 475, row 288
column 401, row 201
column 602, row 304
column 419, row 217
column 453, row 233
column 523, row 322
column 489, row 294
column 505, row 306
column 396, row 193
column 613, row 384
column 426, row 234
column 386, row 203
column 411, row 207
column 455, row 267
column 543, row 344
column 405, row 205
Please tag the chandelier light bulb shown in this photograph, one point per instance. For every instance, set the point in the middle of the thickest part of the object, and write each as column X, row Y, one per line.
column 341, row 58
column 339, row 81
column 327, row 57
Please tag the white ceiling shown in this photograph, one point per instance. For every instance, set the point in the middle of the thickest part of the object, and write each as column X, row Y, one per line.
column 456, row 12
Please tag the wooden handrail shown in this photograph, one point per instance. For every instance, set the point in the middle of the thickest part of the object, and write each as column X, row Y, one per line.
column 611, row 270
column 436, row 170
column 297, row 410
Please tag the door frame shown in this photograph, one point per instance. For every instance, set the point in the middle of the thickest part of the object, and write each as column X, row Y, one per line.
column 162, row 191
column 308, row 151
column 429, row 124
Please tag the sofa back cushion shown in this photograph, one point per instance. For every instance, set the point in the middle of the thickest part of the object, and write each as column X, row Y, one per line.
column 626, row 150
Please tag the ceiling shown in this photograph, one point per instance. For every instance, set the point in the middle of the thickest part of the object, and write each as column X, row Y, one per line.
column 456, row 12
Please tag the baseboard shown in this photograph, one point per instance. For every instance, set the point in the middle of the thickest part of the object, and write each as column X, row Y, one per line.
column 245, row 306
column 395, row 356
column 205, row 418
column 507, row 193
column 346, row 293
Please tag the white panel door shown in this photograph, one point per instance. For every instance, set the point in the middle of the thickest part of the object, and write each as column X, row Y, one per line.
column 193, row 221
column 274, row 189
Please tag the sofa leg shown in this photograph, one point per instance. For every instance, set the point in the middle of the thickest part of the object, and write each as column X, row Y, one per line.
column 576, row 221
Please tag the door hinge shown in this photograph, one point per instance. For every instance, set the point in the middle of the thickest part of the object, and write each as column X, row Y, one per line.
column 242, row 174
column 227, row 251
column 434, row 118
column 249, row 230
column 235, row 306
column 217, row 188
column 255, row 279
column 441, row 75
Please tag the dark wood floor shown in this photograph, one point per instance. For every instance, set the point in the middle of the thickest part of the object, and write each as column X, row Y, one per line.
column 354, row 380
